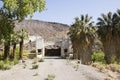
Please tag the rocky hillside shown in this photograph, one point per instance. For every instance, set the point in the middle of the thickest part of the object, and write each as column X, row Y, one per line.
column 48, row 30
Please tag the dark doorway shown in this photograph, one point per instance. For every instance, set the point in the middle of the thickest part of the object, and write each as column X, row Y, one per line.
column 53, row 51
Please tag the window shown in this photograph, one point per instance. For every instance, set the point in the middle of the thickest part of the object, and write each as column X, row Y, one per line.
column 65, row 50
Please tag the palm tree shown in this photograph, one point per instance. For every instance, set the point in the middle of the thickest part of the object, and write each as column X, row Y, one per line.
column 109, row 30
column 15, row 40
column 82, row 34
column 23, row 34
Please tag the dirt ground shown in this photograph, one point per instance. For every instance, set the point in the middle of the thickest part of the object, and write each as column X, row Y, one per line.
column 60, row 68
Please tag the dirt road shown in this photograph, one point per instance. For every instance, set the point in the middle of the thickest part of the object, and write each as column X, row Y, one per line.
column 55, row 66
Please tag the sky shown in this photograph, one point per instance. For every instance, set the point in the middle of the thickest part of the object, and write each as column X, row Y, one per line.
column 64, row 11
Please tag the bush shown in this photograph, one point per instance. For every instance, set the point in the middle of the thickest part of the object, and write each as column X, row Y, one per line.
column 5, row 65
column 35, row 66
column 41, row 59
column 1, row 55
column 113, row 67
column 33, row 51
column 98, row 56
column 16, row 61
column 25, row 54
column 1, row 64
column 51, row 77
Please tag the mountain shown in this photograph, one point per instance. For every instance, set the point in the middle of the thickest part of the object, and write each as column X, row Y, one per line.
column 48, row 30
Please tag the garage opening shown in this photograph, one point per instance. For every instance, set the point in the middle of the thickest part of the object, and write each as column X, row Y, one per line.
column 52, row 50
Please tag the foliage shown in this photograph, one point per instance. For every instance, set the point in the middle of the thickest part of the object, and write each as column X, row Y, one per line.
column 35, row 66
column 98, row 56
column 103, row 67
column 1, row 55
column 16, row 61
column 1, row 64
column 41, row 59
column 5, row 65
column 109, row 33
column 51, row 77
column 82, row 34
column 24, row 65
column 20, row 9
column 25, row 54
column 22, row 34
column 33, row 51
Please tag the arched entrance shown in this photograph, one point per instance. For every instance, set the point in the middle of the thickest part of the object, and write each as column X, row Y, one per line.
column 52, row 50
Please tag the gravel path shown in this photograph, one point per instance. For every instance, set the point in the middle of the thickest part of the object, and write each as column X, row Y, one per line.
column 59, row 67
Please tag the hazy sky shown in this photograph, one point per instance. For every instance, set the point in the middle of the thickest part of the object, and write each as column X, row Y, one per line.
column 64, row 11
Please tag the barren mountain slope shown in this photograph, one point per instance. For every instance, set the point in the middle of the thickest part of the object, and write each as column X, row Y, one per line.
column 48, row 30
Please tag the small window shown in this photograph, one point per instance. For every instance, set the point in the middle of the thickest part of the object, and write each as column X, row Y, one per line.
column 65, row 50
column 39, row 50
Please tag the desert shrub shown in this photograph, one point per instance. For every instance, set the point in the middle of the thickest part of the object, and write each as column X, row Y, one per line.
column 33, row 51
column 113, row 67
column 35, row 66
column 7, row 67
column 17, row 52
column 98, row 56
column 1, row 55
column 41, row 59
column 24, row 65
column 51, row 77
column 1, row 64
column 25, row 54
column 16, row 61
column 113, row 59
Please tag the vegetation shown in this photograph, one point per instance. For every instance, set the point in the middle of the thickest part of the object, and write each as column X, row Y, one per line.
column 109, row 33
column 98, row 56
column 35, row 66
column 9, row 13
column 51, row 77
column 83, row 34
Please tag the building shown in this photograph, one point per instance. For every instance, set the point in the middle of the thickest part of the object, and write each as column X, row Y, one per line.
column 48, row 48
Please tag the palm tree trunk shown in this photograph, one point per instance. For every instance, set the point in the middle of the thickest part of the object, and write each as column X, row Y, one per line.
column 6, row 50
column 21, row 49
column 14, row 51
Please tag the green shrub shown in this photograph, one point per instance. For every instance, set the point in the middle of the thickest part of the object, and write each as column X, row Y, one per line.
column 1, row 55
column 41, row 59
column 24, row 66
column 113, row 59
column 6, row 67
column 16, row 61
column 33, row 51
column 35, row 66
column 1, row 65
column 51, row 77
column 98, row 56
column 25, row 54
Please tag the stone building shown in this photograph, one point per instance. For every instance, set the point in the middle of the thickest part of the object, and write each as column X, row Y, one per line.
column 49, row 48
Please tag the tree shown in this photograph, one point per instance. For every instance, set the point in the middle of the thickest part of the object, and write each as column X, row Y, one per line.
column 15, row 39
column 6, row 29
column 109, row 30
column 16, row 10
column 20, row 9
column 22, row 34
column 83, row 34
